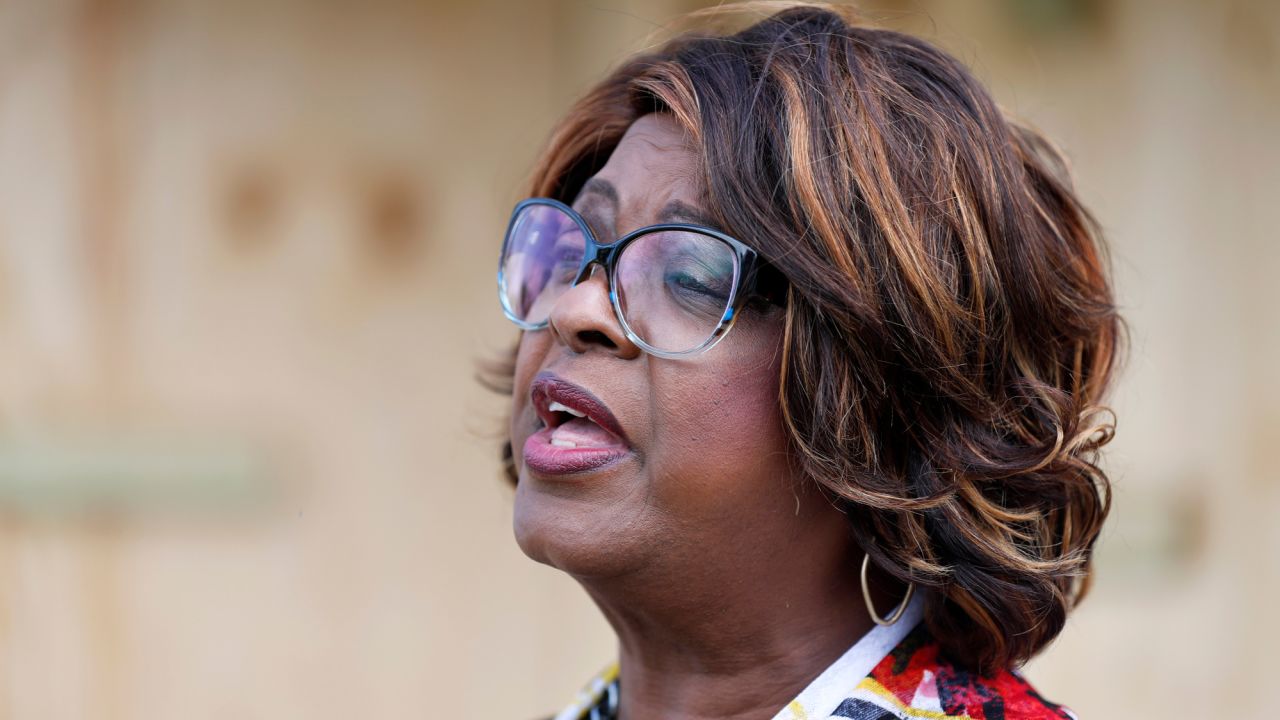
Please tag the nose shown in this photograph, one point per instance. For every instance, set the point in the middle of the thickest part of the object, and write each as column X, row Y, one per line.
column 583, row 318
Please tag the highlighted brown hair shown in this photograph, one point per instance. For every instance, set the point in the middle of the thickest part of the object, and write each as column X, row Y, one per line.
column 950, row 326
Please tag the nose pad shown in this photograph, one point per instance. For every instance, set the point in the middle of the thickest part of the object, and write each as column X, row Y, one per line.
column 589, row 272
column 583, row 317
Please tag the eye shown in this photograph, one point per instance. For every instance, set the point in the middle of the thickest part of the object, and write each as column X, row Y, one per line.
column 698, row 283
column 693, row 283
column 566, row 256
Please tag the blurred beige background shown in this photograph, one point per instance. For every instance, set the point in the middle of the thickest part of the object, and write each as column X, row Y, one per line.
column 246, row 267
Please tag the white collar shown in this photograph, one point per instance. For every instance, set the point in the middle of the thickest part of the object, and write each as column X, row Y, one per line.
column 821, row 698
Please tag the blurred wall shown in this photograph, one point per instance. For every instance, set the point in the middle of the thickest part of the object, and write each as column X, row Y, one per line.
column 246, row 270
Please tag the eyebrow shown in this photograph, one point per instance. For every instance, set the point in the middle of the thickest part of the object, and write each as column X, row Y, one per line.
column 602, row 187
column 676, row 210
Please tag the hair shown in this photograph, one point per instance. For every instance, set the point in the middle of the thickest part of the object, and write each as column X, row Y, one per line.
column 950, row 328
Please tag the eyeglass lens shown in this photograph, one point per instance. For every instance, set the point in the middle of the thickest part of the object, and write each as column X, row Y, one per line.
column 673, row 287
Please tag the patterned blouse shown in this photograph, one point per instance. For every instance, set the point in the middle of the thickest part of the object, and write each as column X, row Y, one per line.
column 892, row 673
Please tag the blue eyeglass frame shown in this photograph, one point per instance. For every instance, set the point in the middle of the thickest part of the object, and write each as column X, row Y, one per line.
column 747, row 266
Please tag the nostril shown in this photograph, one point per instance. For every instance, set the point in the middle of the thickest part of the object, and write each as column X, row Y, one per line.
column 595, row 336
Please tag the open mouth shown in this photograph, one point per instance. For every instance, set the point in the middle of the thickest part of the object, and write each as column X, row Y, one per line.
column 572, row 428
column 578, row 431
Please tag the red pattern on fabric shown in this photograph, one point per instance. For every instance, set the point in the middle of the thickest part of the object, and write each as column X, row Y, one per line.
column 1003, row 696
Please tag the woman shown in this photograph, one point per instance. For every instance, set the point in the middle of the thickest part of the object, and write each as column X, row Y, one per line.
column 877, row 494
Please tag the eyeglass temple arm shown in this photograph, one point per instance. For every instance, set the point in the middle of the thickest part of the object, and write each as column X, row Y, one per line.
column 767, row 282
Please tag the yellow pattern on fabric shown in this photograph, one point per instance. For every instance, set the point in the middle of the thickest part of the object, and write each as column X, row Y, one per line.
column 590, row 694
column 797, row 711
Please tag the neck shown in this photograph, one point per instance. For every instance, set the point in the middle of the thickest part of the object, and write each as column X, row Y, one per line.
column 739, row 645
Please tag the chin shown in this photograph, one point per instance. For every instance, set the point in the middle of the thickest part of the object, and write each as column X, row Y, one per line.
column 570, row 535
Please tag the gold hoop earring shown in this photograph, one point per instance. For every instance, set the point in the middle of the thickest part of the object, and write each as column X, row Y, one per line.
column 871, row 609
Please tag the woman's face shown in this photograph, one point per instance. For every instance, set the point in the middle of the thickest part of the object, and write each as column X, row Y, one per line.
column 703, row 464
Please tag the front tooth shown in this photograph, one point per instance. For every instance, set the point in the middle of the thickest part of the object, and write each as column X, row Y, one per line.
column 563, row 443
column 557, row 407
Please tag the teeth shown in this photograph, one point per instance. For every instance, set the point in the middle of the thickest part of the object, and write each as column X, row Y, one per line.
column 557, row 407
column 563, row 443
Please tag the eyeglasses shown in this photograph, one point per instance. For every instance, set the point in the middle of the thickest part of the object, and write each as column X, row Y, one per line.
column 675, row 288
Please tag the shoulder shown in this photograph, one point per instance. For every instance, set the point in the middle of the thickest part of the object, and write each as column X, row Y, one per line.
column 915, row 680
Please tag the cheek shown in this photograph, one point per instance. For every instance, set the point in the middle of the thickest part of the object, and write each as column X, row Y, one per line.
column 720, row 432
column 722, row 416
column 529, row 354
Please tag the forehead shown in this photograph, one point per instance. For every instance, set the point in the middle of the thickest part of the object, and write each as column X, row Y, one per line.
column 654, row 163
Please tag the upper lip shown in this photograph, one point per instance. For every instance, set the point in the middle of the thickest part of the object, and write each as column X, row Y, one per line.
column 548, row 387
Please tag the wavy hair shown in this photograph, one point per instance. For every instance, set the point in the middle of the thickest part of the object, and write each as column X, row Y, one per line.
column 950, row 327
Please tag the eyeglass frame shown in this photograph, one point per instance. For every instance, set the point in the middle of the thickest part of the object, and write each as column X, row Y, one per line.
column 748, row 267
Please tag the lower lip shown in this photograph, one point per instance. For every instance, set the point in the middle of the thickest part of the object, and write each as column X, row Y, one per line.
column 547, row 459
